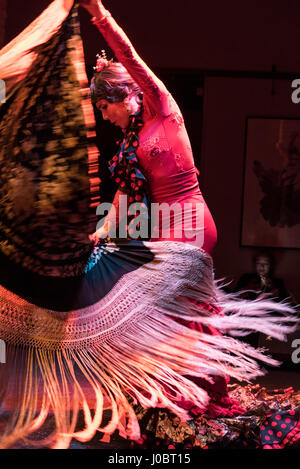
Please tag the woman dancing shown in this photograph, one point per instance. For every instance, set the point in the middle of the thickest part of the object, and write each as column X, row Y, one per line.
column 130, row 96
column 102, row 326
column 162, row 146
column 128, row 91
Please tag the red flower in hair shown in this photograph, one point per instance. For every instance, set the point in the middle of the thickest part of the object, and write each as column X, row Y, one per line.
column 101, row 63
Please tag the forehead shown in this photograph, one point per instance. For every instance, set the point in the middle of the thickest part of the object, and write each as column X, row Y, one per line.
column 263, row 260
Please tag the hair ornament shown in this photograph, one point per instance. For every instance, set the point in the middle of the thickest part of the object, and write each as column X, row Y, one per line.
column 102, row 61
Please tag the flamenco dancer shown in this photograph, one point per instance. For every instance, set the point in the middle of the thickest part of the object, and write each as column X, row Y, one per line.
column 93, row 326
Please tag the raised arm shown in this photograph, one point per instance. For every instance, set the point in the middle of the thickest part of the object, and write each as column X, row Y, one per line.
column 158, row 97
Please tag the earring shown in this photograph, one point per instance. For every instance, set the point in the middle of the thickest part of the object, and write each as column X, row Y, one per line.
column 128, row 110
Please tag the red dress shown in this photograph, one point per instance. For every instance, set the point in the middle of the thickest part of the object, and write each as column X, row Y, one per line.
column 165, row 153
column 166, row 158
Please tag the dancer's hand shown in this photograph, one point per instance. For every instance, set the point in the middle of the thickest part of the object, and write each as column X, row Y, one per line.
column 98, row 235
column 102, row 233
column 92, row 6
column 265, row 281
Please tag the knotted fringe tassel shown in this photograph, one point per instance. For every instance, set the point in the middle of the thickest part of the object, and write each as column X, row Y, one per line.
column 127, row 348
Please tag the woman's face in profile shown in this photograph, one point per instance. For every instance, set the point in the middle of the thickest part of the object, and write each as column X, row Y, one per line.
column 115, row 113
column 263, row 266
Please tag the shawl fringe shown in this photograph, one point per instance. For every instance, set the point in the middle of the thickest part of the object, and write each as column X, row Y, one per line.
column 128, row 348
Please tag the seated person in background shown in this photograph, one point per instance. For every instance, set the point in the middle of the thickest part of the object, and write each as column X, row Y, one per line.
column 261, row 281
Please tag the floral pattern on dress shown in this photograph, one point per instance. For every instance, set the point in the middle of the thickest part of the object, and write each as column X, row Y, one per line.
column 179, row 160
column 177, row 119
column 155, row 147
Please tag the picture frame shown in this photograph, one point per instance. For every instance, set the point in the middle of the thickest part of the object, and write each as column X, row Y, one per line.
column 271, row 183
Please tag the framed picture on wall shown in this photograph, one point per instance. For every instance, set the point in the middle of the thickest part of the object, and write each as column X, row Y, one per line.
column 271, row 196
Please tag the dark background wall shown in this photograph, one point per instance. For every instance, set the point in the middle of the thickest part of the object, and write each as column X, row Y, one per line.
column 225, row 51
column 231, row 35
column 228, row 103
column 2, row 21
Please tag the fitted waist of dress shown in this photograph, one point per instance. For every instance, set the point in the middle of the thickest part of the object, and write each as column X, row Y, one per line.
column 176, row 188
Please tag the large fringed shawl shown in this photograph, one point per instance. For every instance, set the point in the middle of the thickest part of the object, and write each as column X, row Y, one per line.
column 49, row 182
column 96, row 329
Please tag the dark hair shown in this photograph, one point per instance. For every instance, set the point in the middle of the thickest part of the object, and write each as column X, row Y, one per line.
column 113, row 83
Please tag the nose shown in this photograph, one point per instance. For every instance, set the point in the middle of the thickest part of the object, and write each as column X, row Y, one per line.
column 104, row 115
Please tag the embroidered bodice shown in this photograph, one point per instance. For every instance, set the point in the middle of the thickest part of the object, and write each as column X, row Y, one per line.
column 164, row 152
